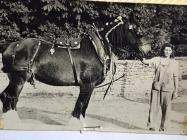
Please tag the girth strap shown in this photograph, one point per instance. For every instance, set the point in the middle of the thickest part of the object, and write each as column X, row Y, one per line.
column 31, row 79
column 73, row 66
column 33, row 57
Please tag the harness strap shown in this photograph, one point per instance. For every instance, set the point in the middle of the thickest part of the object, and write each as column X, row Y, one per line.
column 106, row 35
column 33, row 57
column 73, row 66
column 31, row 79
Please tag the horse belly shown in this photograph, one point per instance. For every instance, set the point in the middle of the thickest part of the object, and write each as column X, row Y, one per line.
column 55, row 74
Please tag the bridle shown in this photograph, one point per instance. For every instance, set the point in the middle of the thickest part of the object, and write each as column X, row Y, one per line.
column 112, row 63
column 107, row 34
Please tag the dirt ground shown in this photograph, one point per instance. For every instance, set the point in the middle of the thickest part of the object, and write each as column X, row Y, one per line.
column 49, row 108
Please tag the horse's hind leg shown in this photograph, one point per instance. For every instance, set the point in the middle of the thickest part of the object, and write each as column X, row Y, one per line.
column 9, row 96
column 83, row 100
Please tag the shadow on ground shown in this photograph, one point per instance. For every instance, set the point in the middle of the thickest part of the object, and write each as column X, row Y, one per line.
column 114, row 121
column 40, row 115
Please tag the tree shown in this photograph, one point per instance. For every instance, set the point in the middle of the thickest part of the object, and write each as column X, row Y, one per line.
column 49, row 18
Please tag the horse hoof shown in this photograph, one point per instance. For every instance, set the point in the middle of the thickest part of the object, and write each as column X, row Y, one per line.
column 76, row 114
column 6, row 108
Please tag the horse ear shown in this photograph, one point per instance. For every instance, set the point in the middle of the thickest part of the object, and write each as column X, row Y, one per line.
column 119, row 18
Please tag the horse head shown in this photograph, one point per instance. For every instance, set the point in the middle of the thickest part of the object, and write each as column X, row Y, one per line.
column 124, row 38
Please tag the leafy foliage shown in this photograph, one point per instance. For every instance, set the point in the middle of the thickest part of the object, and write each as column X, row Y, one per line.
column 49, row 18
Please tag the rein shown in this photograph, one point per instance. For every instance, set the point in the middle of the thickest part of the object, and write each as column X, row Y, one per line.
column 111, row 63
column 111, row 82
column 107, row 34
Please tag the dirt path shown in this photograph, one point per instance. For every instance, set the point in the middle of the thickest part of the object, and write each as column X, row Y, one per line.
column 49, row 108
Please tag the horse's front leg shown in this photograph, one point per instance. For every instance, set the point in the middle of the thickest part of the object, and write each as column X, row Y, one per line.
column 9, row 96
column 83, row 100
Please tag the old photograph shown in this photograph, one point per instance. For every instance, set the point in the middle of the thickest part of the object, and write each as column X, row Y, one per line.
column 93, row 66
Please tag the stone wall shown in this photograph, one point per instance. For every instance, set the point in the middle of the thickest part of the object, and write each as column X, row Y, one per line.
column 138, row 79
column 134, row 84
column 182, row 67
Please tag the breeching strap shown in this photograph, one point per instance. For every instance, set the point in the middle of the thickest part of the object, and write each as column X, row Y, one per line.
column 73, row 66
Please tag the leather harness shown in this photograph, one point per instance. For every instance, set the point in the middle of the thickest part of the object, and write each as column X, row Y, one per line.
column 73, row 66
column 36, row 52
column 28, row 66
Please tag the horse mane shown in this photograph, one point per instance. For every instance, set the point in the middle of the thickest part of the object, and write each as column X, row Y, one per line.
column 123, row 38
column 117, row 36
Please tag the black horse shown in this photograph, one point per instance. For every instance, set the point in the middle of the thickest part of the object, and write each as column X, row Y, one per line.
column 83, row 66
